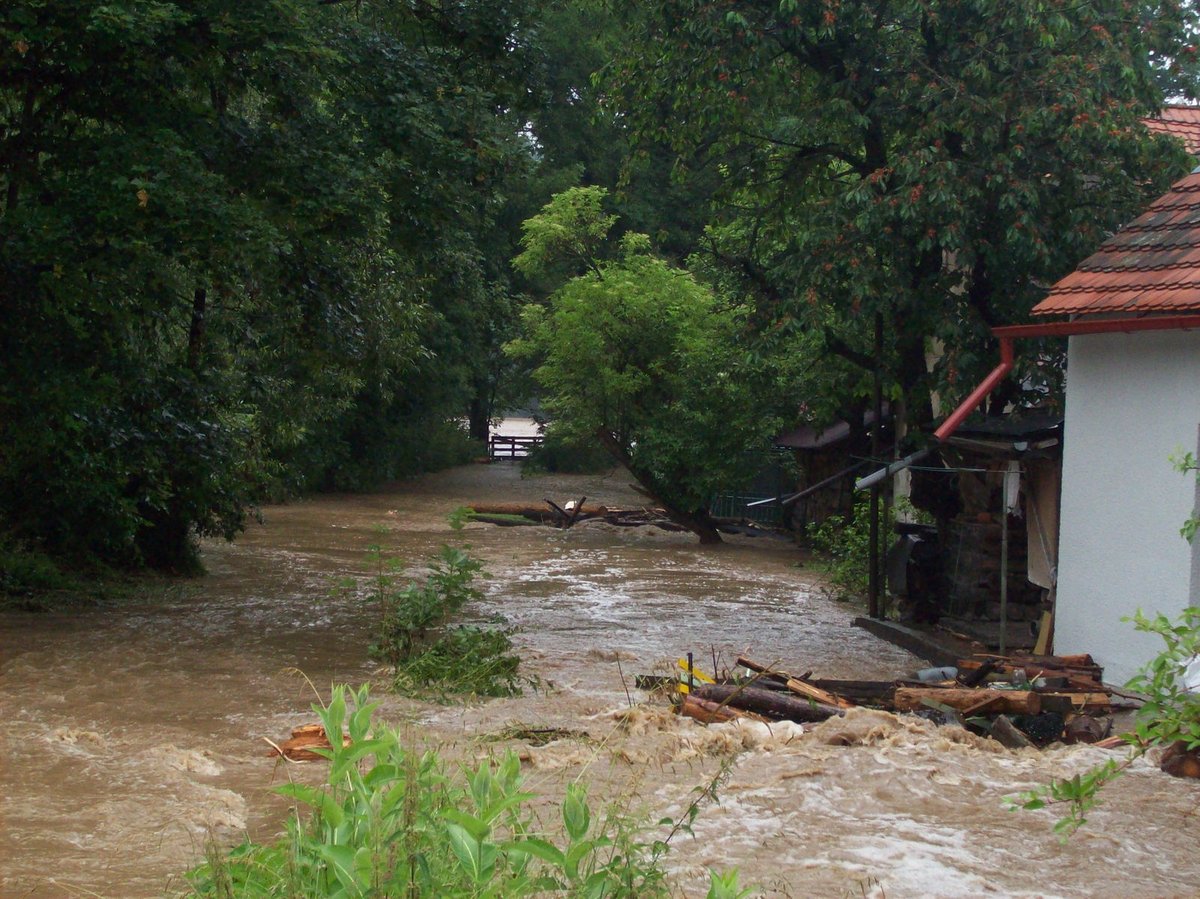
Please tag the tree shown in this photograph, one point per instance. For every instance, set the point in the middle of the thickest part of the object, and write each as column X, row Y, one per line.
column 642, row 357
column 927, row 163
column 240, row 245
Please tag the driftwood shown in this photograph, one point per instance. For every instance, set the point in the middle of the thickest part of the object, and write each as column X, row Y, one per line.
column 304, row 739
column 1076, row 702
column 1006, row 734
column 1009, row 702
column 505, row 521
column 567, row 517
column 708, row 711
column 1179, row 761
column 799, row 686
column 860, row 692
column 552, row 513
column 1081, row 670
column 535, row 512
column 778, row 706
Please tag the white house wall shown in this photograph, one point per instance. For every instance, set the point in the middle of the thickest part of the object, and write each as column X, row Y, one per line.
column 1133, row 400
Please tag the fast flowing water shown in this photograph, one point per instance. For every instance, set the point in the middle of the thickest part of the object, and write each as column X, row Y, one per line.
column 133, row 732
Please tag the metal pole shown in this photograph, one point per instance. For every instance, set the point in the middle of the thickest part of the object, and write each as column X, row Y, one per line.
column 873, row 605
column 1004, row 561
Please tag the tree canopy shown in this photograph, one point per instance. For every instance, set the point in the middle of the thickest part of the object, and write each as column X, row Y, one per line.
column 639, row 355
column 934, row 163
column 243, row 248
column 250, row 249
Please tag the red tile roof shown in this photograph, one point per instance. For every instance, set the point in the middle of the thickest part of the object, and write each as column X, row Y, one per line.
column 1150, row 265
column 1182, row 122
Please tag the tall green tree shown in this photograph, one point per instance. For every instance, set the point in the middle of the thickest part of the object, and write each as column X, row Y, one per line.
column 930, row 163
column 640, row 356
column 240, row 247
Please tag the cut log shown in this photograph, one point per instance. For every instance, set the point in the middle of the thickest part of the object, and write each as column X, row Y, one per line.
column 304, row 739
column 1012, row 702
column 1076, row 702
column 539, row 513
column 1006, row 734
column 1083, row 665
column 778, row 706
column 862, row 692
column 798, row 686
column 1179, row 761
column 707, row 711
column 505, row 521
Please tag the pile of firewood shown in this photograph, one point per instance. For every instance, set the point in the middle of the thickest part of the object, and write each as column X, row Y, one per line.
column 1018, row 700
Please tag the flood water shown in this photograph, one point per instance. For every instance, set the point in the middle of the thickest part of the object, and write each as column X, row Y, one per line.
column 133, row 732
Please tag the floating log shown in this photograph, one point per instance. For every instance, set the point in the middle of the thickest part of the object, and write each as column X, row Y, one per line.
column 778, row 706
column 708, row 711
column 1179, row 761
column 799, row 686
column 304, row 739
column 1011, row 702
column 536, row 513
column 1082, row 665
column 862, row 692
column 505, row 521
column 1076, row 702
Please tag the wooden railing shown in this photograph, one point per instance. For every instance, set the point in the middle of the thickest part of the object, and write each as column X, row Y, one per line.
column 502, row 446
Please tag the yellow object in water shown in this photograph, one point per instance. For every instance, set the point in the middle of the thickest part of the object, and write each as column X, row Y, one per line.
column 697, row 675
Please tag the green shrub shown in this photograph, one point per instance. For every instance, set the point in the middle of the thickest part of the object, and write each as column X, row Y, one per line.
column 845, row 544
column 391, row 822
column 416, row 639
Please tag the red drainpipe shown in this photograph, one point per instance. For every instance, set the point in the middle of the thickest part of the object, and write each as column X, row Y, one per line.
column 950, row 425
column 1006, row 336
column 1055, row 329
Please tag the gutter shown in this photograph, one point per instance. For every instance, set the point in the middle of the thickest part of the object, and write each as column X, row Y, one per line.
column 1006, row 336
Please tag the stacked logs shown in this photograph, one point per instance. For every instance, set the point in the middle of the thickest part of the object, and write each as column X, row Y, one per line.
column 1019, row 700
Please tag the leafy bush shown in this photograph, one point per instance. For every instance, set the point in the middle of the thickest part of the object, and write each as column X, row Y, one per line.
column 414, row 636
column 25, row 575
column 558, row 456
column 846, row 546
column 391, row 822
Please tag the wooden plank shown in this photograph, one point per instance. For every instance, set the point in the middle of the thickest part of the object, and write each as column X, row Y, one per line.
column 1045, row 629
column 798, row 686
column 1014, row 702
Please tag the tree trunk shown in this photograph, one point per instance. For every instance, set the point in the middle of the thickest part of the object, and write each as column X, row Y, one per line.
column 479, row 419
column 779, row 706
column 699, row 522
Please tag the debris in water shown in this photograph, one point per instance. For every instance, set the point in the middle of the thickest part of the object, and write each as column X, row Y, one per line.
column 304, row 739
column 1020, row 701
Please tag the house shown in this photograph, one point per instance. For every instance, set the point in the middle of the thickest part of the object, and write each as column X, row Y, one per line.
column 1132, row 401
column 1182, row 122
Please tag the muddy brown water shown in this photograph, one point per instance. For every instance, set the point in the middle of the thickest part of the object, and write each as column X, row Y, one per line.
column 132, row 732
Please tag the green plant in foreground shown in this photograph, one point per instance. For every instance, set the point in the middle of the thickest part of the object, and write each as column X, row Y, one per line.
column 1171, row 715
column 392, row 822
column 1185, row 463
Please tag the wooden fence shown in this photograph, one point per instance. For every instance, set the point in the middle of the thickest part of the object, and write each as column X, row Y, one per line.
column 503, row 446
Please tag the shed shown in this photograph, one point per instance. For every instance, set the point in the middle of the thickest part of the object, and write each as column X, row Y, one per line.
column 1132, row 401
